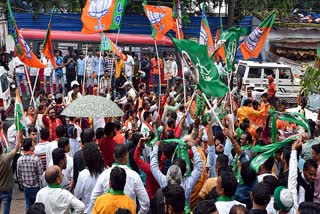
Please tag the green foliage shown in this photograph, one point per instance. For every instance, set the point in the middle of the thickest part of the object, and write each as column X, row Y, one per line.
column 311, row 80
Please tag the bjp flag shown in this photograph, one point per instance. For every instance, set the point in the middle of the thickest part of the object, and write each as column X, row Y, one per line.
column 219, row 49
column 108, row 45
column 160, row 18
column 47, row 44
column 25, row 54
column 253, row 44
column 205, row 33
column 98, row 15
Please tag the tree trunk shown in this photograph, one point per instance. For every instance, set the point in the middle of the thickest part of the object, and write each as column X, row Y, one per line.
column 231, row 9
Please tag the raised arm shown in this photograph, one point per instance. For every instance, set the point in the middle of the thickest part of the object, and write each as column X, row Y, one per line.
column 157, row 174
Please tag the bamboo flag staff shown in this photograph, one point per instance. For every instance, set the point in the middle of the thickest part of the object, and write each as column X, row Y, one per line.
column 113, row 63
column 34, row 87
column 85, row 71
column 99, row 68
column 29, row 84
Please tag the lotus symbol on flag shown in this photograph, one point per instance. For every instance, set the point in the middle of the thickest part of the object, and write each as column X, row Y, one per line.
column 26, row 48
column 253, row 39
column 98, row 9
column 155, row 18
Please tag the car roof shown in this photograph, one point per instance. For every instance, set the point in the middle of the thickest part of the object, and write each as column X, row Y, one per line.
column 263, row 64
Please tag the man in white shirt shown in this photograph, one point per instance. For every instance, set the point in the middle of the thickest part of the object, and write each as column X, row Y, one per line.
column 47, row 74
column 89, row 71
column 134, row 187
column 170, row 70
column 128, row 66
column 55, row 199
column 19, row 67
column 226, row 189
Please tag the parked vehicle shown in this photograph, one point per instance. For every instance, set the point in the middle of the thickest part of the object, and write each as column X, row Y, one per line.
column 312, row 108
column 249, row 72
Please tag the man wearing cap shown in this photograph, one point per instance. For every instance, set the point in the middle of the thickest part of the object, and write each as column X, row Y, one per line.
column 75, row 86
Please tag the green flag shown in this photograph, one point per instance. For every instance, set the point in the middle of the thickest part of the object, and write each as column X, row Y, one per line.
column 267, row 151
column 230, row 38
column 203, row 71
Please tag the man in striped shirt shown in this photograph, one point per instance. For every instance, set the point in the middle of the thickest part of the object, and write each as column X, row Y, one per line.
column 29, row 170
column 41, row 149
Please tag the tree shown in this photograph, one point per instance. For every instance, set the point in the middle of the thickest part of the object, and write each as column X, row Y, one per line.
column 231, row 12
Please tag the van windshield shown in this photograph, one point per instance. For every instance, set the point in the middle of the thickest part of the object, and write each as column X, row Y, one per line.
column 4, row 82
column 241, row 70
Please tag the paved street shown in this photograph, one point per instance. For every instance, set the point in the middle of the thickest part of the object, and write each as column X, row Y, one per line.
column 17, row 204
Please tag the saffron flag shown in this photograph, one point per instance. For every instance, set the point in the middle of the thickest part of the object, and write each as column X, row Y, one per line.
column 205, row 33
column 252, row 45
column 108, row 45
column 98, row 15
column 230, row 39
column 25, row 54
column 203, row 71
column 47, row 44
column 219, row 48
column 160, row 18
column 19, row 118
column 177, row 19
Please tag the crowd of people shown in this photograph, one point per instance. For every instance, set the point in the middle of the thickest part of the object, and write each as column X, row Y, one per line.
column 164, row 155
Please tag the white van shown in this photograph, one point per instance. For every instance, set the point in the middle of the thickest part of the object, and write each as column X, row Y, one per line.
column 249, row 72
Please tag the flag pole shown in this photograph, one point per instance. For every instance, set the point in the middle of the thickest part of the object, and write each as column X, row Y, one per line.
column 34, row 87
column 28, row 79
column 158, row 62
column 213, row 112
column 113, row 54
column 99, row 67
column 85, row 71
column 182, row 63
column 189, row 105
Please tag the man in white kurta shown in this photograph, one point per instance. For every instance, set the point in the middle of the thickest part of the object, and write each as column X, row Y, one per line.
column 55, row 199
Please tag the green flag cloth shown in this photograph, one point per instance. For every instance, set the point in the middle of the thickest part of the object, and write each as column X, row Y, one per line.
column 295, row 117
column 230, row 38
column 203, row 71
column 200, row 107
column 181, row 149
column 268, row 151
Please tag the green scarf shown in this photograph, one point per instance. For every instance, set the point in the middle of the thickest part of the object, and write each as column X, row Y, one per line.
column 115, row 192
column 54, row 186
column 225, row 198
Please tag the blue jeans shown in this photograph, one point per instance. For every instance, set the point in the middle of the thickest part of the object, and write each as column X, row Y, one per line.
column 21, row 77
column 155, row 84
column 30, row 195
column 6, row 197
column 59, row 79
column 45, row 80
